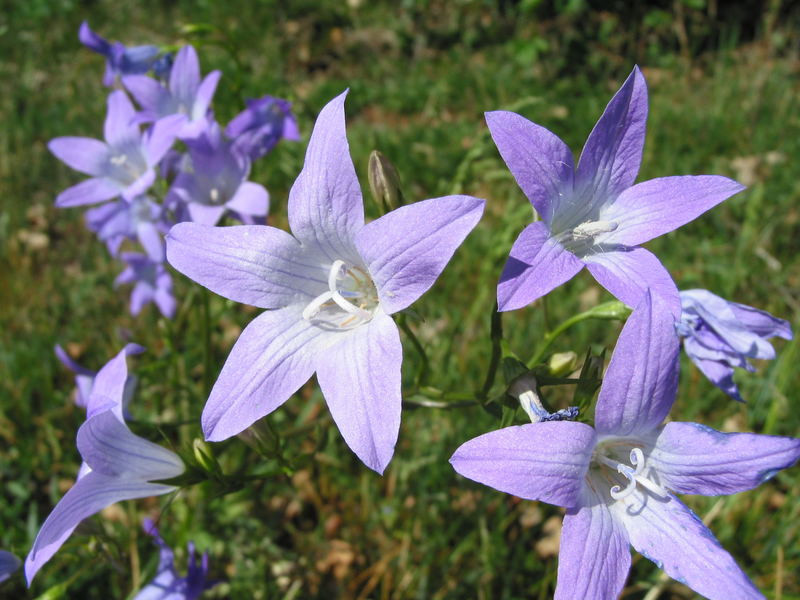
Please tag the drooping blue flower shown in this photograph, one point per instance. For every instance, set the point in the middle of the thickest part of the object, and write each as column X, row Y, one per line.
column 167, row 584
column 616, row 480
column 257, row 129
column 120, row 166
column 152, row 283
column 719, row 336
column 594, row 216
column 119, row 59
column 331, row 287
column 8, row 564
column 140, row 219
column 216, row 181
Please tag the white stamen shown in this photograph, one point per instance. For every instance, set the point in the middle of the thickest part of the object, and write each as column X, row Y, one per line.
column 119, row 159
column 589, row 229
column 214, row 195
column 315, row 305
column 633, row 476
column 333, row 294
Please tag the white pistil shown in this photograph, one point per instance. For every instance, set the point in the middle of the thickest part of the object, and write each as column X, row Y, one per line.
column 333, row 294
column 589, row 229
column 214, row 195
column 633, row 476
column 119, row 160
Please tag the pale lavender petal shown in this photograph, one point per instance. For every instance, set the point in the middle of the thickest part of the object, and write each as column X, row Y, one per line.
column 641, row 381
column 205, row 214
column 148, row 92
column 119, row 129
column 83, row 154
column 161, row 136
column 408, row 248
column 540, row 161
column 108, row 388
column 151, row 240
column 250, row 199
column 761, row 322
column 536, row 265
column 629, row 272
column 141, row 295
column 540, row 461
column 325, row 206
column 92, row 40
column 205, row 92
column 675, row 539
column 655, row 207
column 185, row 75
column 8, row 564
column 165, row 301
column 140, row 186
column 91, row 191
column 360, row 380
column 272, row 358
column 253, row 264
column 594, row 557
column 66, row 360
column 694, row 459
column 611, row 157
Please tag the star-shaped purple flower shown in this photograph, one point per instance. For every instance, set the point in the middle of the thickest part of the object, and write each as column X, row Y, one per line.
column 122, row 165
column 152, row 283
column 332, row 286
column 119, row 59
column 185, row 95
column 167, row 584
column 139, row 219
column 258, row 128
column 593, row 215
column 719, row 336
column 617, row 479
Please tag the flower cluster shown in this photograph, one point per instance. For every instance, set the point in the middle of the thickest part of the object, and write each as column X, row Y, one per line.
column 205, row 172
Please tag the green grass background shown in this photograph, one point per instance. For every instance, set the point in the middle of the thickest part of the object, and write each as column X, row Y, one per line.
column 724, row 82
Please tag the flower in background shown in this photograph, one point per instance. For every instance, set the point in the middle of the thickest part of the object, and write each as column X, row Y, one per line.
column 8, row 564
column 719, row 336
column 258, row 128
column 616, row 480
column 119, row 59
column 593, row 215
column 122, row 165
column 118, row 465
column 185, row 95
column 332, row 286
column 167, row 584
column 217, row 181
column 152, row 283
column 140, row 219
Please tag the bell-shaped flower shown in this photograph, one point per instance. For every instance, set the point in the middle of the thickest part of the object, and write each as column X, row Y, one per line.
column 216, row 181
column 167, row 584
column 140, row 219
column 719, row 336
column 331, row 286
column 152, row 283
column 9, row 563
column 120, row 166
column 257, row 129
column 594, row 215
column 617, row 480
column 185, row 94
column 119, row 59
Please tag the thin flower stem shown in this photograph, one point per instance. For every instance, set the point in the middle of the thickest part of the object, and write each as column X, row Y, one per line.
column 206, row 329
column 496, row 337
column 422, row 375
column 551, row 336
column 426, row 403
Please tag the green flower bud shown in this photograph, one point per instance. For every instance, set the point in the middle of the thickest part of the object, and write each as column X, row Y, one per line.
column 384, row 182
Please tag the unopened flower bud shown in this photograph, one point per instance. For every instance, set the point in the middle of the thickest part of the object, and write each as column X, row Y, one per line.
column 562, row 363
column 384, row 182
column 205, row 456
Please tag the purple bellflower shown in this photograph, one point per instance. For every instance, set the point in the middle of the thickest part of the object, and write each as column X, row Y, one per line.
column 167, row 584
column 332, row 286
column 217, row 181
column 719, row 336
column 152, row 283
column 119, row 59
column 118, row 465
column 185, row 95
column 122, row 165
column 8, row 564
column 139, row 219
column 593, row 215
column 616, row 480
column 258, row 128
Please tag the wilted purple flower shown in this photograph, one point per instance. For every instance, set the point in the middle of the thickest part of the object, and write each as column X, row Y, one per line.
column 139, row 219
column 85, row 378
column 167, row 584
column 720, row 336
column 258, row 128
column 122, row 165
column 594, row 216
column 185, row 95
column 8, row 564
column 152, row 283
column 119, row 59
column 217, row 181
column 617, row 479
column 332, row 285
column 118, row 465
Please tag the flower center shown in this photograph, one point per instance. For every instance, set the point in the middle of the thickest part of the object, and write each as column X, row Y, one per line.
column 638, row 473
column 580, row 238
column 350, row 300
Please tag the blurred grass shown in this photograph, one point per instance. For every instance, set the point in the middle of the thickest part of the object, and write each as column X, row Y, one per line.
column 724, row 99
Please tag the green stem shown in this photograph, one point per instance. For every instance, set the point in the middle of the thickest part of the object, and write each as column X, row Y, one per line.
column 422, row 375
column 551, row 336
column 496, row 336
column 206, row 332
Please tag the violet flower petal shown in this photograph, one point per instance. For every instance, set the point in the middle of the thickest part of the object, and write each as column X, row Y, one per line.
column 8, row 564
column 360, row 379
column 407, row 249
column 761, row 322
column 83, row 154
column 540, row 161
column 204, row 95
column 119, row 129
column 184, row 78
column 641, row 381
column 541, row 461
column 536, row 265
column 250, row 199
column 90, row 191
